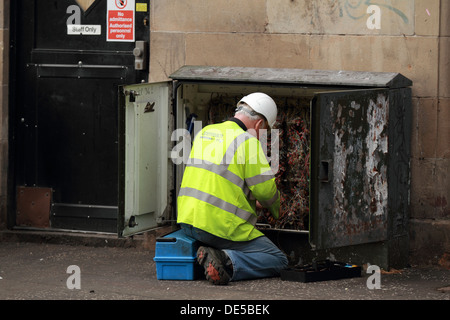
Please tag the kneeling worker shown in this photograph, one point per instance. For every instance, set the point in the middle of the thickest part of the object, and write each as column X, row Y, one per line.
column 226, row 178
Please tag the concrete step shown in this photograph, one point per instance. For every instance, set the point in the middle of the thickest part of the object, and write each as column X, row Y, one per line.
column 146, row 240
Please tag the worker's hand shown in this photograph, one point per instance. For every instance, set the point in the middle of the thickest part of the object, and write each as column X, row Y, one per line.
column 258, row 205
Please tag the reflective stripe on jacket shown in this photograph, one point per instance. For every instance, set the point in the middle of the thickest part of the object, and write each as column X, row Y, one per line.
column 227, row 168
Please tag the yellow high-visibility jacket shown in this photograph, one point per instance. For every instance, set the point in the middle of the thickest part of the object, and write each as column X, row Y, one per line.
column 226, row 173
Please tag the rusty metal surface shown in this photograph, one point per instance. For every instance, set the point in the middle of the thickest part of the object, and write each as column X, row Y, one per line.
column 292, row 76
column 352, row 203
column 33, row 207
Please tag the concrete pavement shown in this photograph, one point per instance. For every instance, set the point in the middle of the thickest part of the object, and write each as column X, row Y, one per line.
column 36, row 270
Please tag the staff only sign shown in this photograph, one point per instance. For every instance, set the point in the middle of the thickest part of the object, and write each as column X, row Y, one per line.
column 120, row 20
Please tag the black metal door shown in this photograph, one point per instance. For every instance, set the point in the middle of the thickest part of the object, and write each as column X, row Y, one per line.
column 66, row 71
column 349, row 168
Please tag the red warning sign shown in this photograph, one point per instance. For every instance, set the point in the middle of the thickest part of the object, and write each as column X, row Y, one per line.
column 120, row 20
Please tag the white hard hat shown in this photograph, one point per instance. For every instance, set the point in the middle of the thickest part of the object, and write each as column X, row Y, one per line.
column 262, row 104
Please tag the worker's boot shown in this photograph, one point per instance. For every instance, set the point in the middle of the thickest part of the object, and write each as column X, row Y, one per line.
column 216, row 263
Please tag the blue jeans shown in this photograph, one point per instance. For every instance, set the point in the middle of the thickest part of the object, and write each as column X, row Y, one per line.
column 258, row 258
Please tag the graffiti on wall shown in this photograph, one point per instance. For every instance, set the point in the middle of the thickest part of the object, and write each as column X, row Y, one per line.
column 343, row 16
column 374, row 8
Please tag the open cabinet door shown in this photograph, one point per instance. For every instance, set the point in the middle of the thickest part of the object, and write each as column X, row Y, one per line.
column 143, row 156
column 349, row 164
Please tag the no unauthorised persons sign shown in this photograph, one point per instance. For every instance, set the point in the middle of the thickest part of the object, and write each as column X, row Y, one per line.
column 120, row 20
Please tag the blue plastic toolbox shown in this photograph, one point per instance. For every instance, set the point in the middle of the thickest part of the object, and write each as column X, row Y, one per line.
column 175, row 257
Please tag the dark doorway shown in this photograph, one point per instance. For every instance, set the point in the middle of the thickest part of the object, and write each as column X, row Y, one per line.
column 65, row 71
